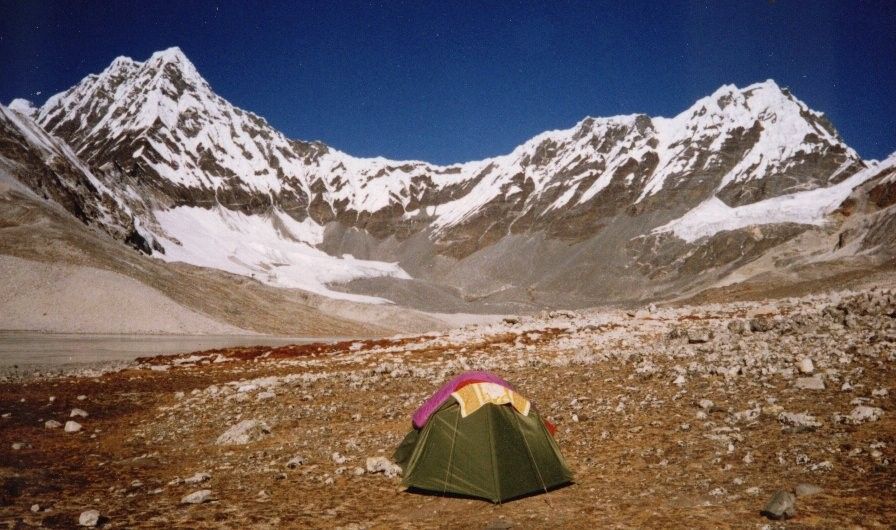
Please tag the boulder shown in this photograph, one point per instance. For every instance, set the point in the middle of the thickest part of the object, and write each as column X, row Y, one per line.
column 781, row 506
column 197, row 497
column 89, row 518
column 379, row 464
column 243, row 432
column 805, row 365
column 804, row 489
column 72, row 426
column 810, row 383
column 698, row 336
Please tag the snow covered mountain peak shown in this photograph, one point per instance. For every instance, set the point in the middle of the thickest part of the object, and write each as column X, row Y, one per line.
column 194, row 168
column 23, row 107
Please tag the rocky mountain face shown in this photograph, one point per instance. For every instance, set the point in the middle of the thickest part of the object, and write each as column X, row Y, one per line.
column 612, row 209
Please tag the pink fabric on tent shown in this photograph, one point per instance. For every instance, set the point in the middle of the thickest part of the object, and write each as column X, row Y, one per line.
column 433, row 403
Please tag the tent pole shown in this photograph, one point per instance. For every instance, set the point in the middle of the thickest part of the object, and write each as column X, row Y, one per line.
column 529, row 451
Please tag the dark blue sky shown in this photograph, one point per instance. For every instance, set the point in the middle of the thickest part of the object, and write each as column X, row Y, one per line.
column 455, row 81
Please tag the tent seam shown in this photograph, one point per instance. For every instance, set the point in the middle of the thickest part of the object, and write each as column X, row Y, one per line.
column 491, row 442
column 451, row 453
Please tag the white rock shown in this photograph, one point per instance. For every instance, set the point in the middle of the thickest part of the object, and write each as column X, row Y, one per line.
column 17, row 445
column 243, row 432
column 863, row 414
column 82, row 397
column 338, row 459
column 72, row 426
column 801, row 419
column 197, row 478
column 805, row 365
column 706, row 404
column 680, row 380
column 265, row 395
column 89, row 518
column 76, row 413
column 810, row 383
column 295, row 462
column 35, row 508
column 52, row 424
column 379, row 464
column 197, row 497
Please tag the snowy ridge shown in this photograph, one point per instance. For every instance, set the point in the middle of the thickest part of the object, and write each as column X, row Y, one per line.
column 57, row 154
column 782, row 119
column 217, row 186
column 192, row 137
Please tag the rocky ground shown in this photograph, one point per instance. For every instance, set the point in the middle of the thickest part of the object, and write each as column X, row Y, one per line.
column 691, row 416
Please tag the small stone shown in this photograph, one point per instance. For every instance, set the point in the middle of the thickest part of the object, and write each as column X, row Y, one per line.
column 52, row 424
column 197, row 478
column 197, row 497
column 499, row 524
column 680, row 380
column 72, row 426
column 82, row 397
column 810, row 383
column 780, row 506
column 698, row 336
column 705, row 404
column 265, row 395
column 800, row 420
column 379, row 464
column 295, row 462
column 35, row 508
column 338, row 459
column 862, row 414
column 805, row 365
column 243, row 432
column 739, row 327
column 17, row 445
column 761, row 324
column 804, row 489
column 76, row 413
column 89, row 518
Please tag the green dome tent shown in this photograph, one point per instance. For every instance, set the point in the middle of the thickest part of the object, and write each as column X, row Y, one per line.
column 478, row 437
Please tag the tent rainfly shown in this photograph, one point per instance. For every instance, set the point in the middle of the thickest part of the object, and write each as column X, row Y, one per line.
column 476, row 436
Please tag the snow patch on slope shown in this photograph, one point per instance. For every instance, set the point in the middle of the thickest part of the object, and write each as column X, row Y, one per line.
column 806, row 207
column 274, row 249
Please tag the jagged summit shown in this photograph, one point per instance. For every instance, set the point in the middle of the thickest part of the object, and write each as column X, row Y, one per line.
column 24, row 107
